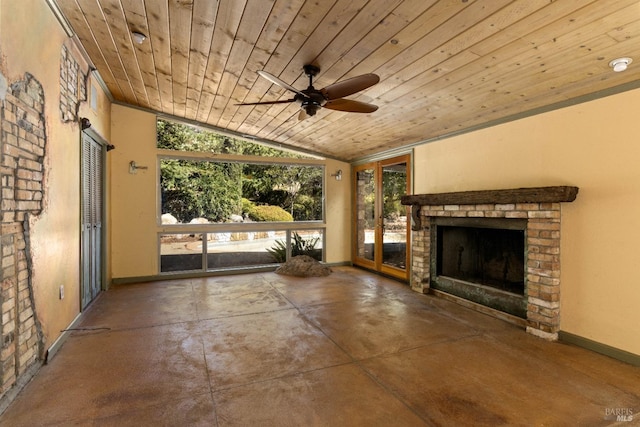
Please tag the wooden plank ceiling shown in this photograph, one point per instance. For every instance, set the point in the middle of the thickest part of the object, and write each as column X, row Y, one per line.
column 444, row 66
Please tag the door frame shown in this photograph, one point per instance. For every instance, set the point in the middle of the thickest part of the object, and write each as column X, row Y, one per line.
column 376, row 264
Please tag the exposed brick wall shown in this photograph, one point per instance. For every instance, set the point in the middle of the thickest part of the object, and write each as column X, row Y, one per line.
column 73, row 86
column 23, row 139
column 542, row 284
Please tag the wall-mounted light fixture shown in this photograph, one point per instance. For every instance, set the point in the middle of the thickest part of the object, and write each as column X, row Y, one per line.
column 337, row 175
column 138, row 37
column 620, row 64
column 133, row 167
column 85, row 123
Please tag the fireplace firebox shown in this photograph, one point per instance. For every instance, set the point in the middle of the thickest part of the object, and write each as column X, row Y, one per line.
column 481, row 260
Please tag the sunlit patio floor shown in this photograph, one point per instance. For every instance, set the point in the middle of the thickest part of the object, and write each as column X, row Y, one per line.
column 350, row 349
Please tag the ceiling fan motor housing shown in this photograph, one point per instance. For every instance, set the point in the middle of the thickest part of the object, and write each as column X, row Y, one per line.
column 314, row 100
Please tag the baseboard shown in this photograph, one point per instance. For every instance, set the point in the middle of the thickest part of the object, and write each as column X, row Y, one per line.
column 190, row 275
column 339, row 264
column 616, row 353
column 57, row 344
column 212, row 273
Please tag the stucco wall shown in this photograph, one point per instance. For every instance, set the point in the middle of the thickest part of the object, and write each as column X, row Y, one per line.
column 593, row 146
column 133, row 198
column 338, row 204
column 134, row 239
column 31, row 42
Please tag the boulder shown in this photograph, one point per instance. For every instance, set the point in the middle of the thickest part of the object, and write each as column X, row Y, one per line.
column 236, row 218
column 199, row 221
column 303, row 266
column 168, row 219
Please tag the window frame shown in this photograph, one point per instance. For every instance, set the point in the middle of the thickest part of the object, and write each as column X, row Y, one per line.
column 207, row 269
column 288, row 227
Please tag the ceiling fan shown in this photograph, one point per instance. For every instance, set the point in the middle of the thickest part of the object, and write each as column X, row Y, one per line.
column 331, row 97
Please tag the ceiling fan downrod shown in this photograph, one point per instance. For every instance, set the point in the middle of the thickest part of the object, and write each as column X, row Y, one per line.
column 314, row 100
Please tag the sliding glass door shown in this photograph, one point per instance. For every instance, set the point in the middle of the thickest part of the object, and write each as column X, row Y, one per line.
column 381, row 232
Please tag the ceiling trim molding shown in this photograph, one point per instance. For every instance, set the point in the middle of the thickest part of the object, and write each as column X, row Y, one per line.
column 64, row 23
column 394, row 152
column 96, row 75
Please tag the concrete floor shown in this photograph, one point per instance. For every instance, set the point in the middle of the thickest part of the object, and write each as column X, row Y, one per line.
column 351, row 349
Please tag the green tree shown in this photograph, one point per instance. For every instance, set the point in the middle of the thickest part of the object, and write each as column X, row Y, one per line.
column 394, row 186
column 296, row 188
column 213, row 190
column 192, row 189
column 176, row 136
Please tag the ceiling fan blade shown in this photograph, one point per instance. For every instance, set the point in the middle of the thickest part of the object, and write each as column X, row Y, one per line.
column 284, row 101
column 276, row 81
column 350, row 86
column 350, row 106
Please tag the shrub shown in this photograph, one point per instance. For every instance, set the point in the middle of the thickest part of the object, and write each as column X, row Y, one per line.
column 299, row 246
column 270, row 213
column 307, row 208
column 279, row 251
column 247, row 206
column 194, row 189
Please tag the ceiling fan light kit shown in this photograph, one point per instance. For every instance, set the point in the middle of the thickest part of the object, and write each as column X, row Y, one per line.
column 331, row 97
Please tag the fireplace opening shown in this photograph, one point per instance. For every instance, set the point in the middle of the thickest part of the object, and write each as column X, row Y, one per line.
column 482, row 260
column 483, row 255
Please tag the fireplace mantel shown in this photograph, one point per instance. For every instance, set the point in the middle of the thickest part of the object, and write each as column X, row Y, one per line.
column 515, row 195
column 539, row 206
column 555, row 194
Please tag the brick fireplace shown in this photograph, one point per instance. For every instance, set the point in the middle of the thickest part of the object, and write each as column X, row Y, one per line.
column 538, row 209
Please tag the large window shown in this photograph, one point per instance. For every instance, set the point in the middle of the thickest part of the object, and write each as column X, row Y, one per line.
column 248, row 202
column 195, row 191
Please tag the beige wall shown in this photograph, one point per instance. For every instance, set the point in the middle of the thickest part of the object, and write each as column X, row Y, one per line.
column 134, row 198
column 593, row 146
column 31, row 41
column 134, row 239
column 338, row 197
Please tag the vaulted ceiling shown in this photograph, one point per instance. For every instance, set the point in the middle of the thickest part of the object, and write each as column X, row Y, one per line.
column 445, row 66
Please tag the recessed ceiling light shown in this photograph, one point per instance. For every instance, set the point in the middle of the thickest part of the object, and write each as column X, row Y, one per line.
column 138, row 37
column 620, row 64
